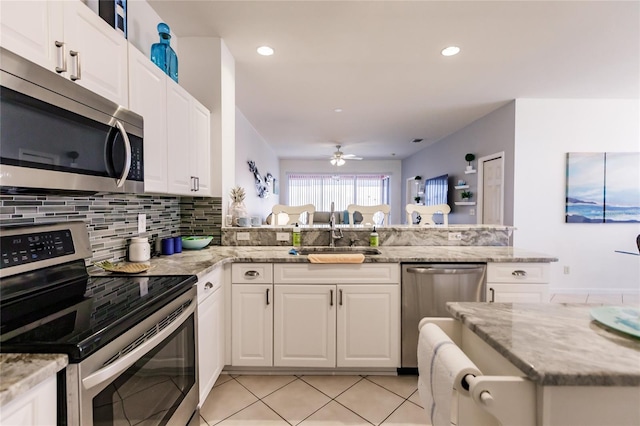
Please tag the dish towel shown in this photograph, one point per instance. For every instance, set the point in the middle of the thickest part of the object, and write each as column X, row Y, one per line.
column 441, row 367
column 336, row 258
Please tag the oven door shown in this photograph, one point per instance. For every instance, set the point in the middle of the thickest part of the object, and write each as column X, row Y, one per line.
column 146, row 375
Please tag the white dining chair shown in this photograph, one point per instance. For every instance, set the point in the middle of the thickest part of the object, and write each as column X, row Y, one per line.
column 368, row 213
column 426, row 213
column 287, row 215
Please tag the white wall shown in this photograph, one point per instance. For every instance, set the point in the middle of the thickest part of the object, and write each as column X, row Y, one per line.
column 546, row 130
column 391, row 167
column 251, row 146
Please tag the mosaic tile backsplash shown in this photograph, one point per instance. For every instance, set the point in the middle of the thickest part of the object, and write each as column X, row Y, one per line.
column 112, row 219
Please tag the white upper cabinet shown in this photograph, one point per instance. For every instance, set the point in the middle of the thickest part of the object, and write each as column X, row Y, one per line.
column 177, row 135
column 31, row 29
column 148, row 97
column 70, row 39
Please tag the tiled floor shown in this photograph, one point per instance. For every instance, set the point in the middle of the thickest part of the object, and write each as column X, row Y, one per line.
column 313, row 401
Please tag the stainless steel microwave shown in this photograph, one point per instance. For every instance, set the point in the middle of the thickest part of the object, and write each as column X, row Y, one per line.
column 58, row 137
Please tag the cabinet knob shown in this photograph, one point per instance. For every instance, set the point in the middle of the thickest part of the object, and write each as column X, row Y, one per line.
column 62, row 59
column 208, row 286
column 493, row 295
column 519, row 273
column 252, row 274
column 76, row 56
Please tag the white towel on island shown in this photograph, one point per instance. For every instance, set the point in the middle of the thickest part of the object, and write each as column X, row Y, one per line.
column 441, row 367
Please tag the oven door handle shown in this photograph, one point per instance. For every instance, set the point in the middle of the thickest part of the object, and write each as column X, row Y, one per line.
column 110, row 372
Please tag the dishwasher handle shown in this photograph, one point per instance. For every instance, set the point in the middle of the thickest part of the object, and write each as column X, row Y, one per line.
column 454, row 271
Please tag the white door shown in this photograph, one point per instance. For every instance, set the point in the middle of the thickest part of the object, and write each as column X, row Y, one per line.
column 368, row 333
column 252, row 325
column 148, row 97
column 491, row 205
column 304, row 326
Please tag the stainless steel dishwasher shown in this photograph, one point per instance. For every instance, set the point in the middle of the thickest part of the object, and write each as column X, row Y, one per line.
column 426, row 288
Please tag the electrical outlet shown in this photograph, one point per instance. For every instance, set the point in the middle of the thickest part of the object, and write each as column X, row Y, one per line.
column 282, row 236
column 566, row 270
column 455, row 236
column 142, row 223
column 472, row 212
column 242, row 236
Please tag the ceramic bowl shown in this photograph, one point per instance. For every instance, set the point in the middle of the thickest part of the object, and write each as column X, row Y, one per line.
column 195, row 243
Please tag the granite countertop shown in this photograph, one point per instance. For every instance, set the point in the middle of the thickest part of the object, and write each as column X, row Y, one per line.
column 200, row 262
column 555, row 344
column 21, row 372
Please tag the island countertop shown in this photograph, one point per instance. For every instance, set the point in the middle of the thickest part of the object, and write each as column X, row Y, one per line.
column 200, row 262
column 554, row 344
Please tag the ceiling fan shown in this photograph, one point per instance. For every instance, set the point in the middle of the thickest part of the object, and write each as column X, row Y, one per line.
column 338, row 158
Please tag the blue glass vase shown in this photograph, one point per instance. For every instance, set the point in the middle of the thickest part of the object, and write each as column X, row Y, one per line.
column 163, row 55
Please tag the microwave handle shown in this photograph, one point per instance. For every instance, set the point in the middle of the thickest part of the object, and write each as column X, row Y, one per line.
column 127, row 149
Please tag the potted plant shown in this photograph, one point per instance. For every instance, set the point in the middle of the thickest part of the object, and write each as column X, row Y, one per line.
column 466, row 195
column 469, row 158
column 417, row 199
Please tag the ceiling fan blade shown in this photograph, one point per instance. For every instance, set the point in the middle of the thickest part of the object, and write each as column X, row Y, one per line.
column 351, row 157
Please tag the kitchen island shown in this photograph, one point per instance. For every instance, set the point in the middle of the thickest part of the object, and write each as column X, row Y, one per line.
column 581, row 372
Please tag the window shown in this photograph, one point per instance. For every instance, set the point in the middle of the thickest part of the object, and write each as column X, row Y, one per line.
column 321, row 189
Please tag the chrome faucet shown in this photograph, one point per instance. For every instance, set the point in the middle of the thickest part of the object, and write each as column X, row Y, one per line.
column 334, row 234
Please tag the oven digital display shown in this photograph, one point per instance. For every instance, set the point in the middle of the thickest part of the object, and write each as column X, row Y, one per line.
column 21, row 249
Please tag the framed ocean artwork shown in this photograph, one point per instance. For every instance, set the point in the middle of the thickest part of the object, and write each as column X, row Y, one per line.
column 603, row 187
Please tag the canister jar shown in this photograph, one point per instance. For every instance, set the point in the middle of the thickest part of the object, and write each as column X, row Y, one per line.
column 139, row 250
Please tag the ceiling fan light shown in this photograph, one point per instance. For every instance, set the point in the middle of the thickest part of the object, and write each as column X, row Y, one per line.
column 340, row 161
column 337, row 162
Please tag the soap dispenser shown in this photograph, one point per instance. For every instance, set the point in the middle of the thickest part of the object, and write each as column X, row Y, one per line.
column 296, row 236
column 373, row 238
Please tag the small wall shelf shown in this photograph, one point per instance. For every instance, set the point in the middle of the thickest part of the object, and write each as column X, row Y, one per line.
column 461, row 186
column 468, row 172
column 465, row 203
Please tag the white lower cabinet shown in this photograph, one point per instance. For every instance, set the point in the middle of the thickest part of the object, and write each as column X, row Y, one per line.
column 252, row 324
column 304, row 332
column 211, row 329
column 518, row 282
column 368, row 332
column 318, row 321
column 36, row 407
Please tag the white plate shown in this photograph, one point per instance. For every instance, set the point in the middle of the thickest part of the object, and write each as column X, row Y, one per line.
column 626, row 320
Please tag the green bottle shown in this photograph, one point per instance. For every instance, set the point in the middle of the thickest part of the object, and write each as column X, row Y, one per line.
column 296, row 236
column 373, row 238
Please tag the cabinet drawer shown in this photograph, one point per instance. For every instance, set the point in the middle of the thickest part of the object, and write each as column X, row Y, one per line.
column 357, row 273
column 208, row 283
column 518, row 272
column 251, row 273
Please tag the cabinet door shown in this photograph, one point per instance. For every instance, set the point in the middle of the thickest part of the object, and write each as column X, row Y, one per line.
column 304, row 326
column 148, row 97
column 101, row 61
column 252, row 325
column 517, row 293
column 36, row 407
column 201, row 161
column 210, row 341
column 368, row 333
column 179, row 142
column 31, row 28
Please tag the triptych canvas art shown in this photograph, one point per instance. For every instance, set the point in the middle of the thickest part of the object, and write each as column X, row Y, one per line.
column 603, row 187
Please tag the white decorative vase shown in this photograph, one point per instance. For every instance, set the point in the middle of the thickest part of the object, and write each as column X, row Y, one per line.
column 237, row 209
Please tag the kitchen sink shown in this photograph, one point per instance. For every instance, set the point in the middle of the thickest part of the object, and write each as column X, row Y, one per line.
column 334, row 250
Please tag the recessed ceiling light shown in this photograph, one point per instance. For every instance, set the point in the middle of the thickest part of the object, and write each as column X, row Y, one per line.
column 450, row 51
column 265, row 50
column 337, row 110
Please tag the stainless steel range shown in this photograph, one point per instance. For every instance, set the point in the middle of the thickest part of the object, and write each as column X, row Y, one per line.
column 130, row 339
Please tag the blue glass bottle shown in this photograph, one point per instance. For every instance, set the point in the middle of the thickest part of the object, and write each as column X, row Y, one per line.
column 163, row 55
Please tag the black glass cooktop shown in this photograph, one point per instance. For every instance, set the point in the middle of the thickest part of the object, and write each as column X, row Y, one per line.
column 80, row 325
